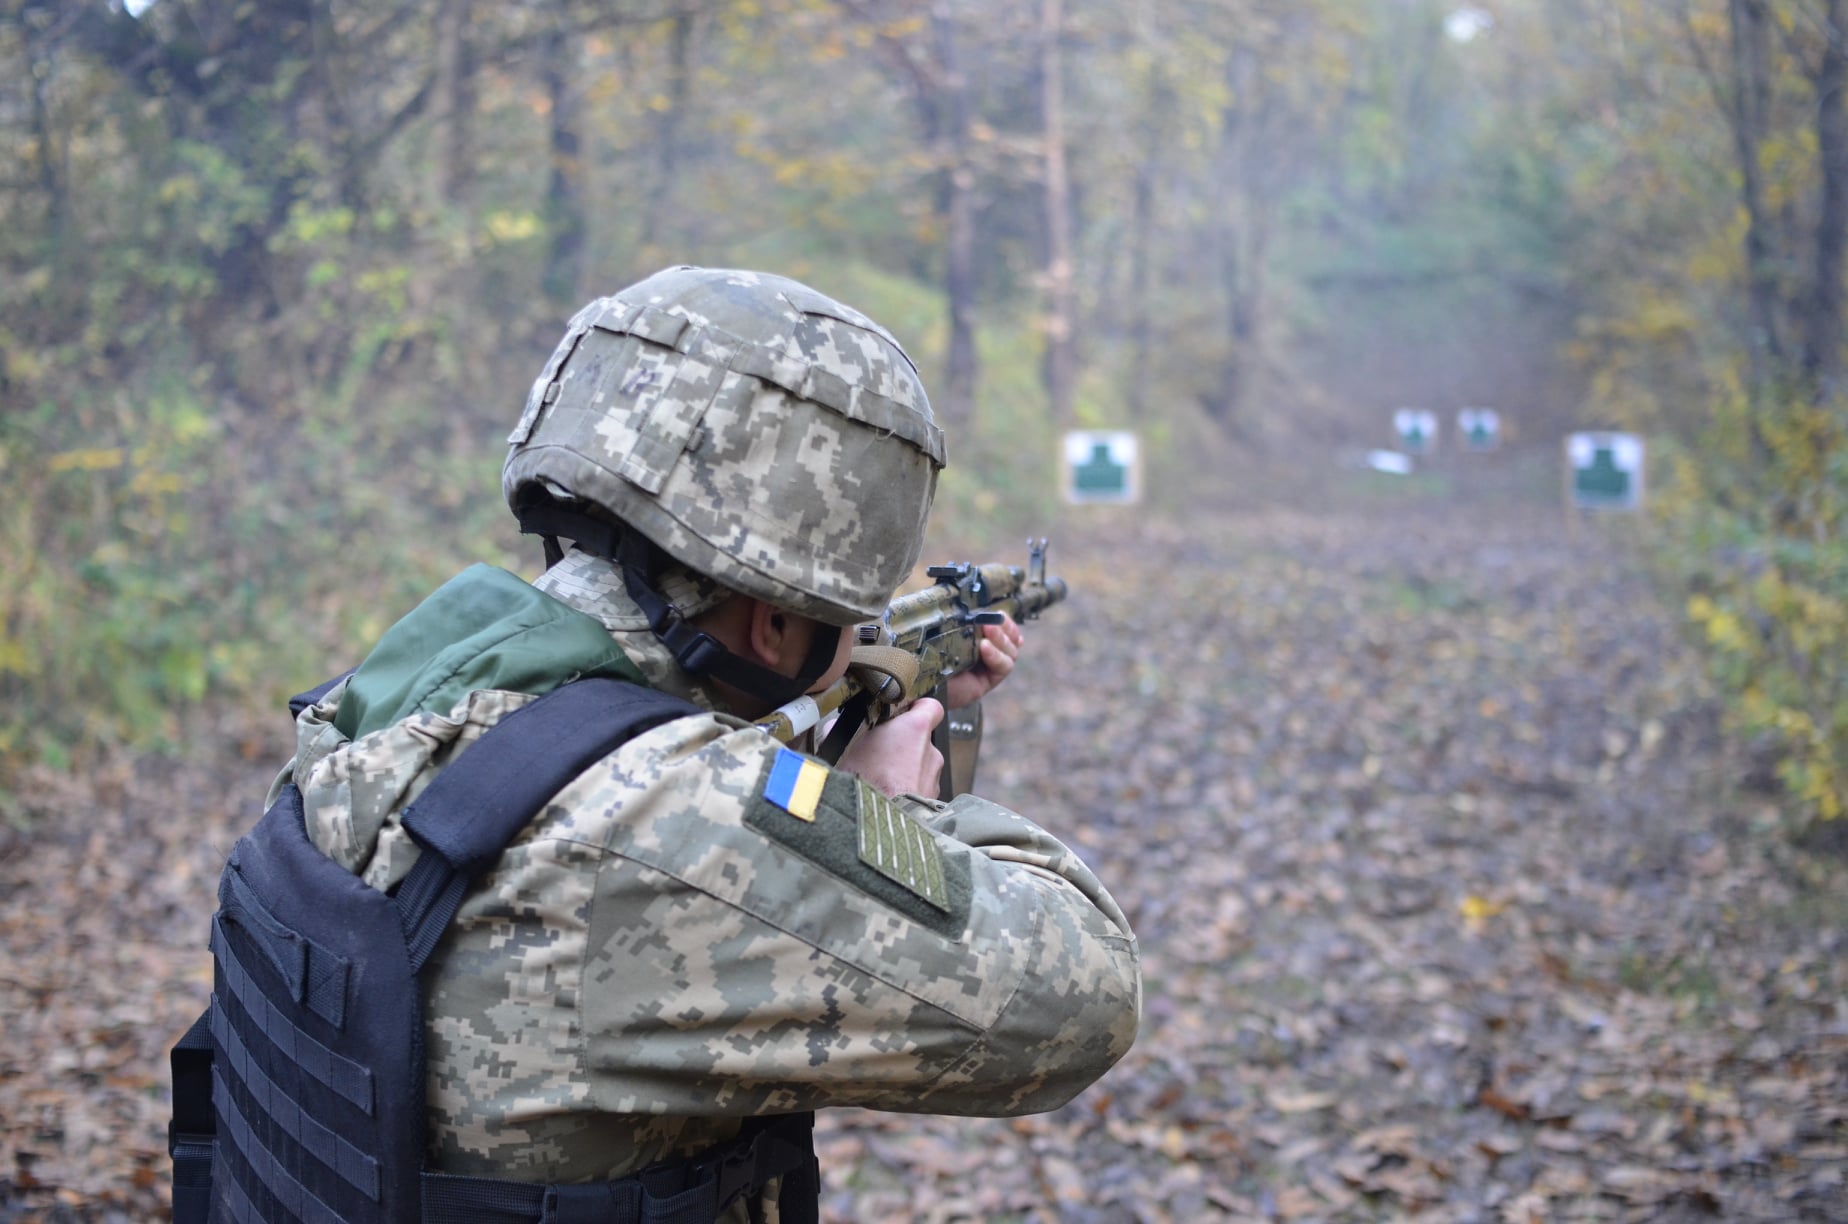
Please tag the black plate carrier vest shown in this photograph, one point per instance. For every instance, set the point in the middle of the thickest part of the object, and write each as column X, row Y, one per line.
column 299, row 1094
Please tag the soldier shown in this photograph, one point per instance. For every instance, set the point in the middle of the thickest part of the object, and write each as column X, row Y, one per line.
column 692, row 934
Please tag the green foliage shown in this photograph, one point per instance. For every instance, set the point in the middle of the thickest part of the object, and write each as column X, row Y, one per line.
column 208, row 503
column 1765, row 525
column 156, row 563
column 102, row 543
column 267, row 307
column 1617, row 123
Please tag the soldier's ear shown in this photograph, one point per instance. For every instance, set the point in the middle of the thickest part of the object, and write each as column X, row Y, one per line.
column 766, row 634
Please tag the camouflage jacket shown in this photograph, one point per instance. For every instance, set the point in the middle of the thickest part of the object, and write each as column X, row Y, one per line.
column 683, row 937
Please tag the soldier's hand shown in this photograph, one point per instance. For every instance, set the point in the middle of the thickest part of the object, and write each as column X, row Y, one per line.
column 998, row 648
column 897, row 756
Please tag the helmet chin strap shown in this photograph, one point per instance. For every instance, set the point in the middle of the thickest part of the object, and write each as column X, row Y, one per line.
column 701, row 653
column 696, row 652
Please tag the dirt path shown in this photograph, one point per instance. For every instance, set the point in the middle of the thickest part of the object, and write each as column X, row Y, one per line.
column 1448, row 907
column 1448, row 904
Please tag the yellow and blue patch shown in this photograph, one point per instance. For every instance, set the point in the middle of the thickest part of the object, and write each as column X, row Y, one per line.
column 795, row 784
column 849, row 829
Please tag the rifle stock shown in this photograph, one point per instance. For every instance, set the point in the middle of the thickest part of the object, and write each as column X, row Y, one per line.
column 939, row 628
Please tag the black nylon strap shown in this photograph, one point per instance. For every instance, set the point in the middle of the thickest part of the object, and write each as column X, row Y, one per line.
column 317, row 978
column 346, row 1077
column 274, row 1173
column 692, row 1191
column 428, row 898
column 546, row 517
column 847, row 724
column 360, row 1170
column 701, row 653
column 190, row 1133
column 481, row 800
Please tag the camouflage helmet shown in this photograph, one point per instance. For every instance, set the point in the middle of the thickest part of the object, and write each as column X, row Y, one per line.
column 751, row 428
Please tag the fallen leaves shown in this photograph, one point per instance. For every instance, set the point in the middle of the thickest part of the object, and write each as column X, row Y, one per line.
column 1447, row 908
column 1287, row 1102
column 1495, row 906
column 106, row 887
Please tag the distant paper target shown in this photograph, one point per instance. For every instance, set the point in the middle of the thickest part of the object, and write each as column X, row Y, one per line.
column 1605, row 471
column 1417, row 430
column 1102, row 466
column 1480, row 428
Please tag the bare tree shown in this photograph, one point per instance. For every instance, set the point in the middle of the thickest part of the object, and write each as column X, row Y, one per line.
column 455, row 102
column 1061, row 357
column 1750, row 97
column 668, row 140
column 1239, row 227
column 931, row 69
column 1822, row 345
column 566, row 225
column 957, row 194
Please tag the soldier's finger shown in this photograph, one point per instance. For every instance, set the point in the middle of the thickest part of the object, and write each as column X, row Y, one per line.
column 1001, row 635
column 928, row 709
column 1011, row 633
column 997, row 658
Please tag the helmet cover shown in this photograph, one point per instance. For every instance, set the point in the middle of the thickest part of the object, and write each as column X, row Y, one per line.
column 752, row 428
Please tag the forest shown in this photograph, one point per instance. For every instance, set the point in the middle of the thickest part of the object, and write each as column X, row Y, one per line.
column 1433, row 751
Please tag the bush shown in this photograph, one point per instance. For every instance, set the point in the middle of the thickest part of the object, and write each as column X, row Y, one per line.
column 233, row 516
column 1768, row 570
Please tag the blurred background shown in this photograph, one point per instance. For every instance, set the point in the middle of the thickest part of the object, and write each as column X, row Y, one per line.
column 275, row 277
column 278, row 275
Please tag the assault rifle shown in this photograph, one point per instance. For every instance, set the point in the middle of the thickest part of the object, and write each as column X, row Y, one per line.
column 922, row 640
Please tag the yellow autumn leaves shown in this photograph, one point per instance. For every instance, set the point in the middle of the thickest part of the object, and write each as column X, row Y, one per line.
column 1780, row 647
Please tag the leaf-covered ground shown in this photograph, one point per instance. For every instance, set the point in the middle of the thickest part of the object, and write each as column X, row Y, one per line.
column 1453, row 903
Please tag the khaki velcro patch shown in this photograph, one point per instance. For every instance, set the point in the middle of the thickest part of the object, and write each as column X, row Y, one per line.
column 900, row 849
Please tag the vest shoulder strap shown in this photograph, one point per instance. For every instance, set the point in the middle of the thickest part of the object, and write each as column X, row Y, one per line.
column 480, row 801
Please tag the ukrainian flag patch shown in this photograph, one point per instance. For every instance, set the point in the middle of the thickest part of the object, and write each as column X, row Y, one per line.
column 795, row 784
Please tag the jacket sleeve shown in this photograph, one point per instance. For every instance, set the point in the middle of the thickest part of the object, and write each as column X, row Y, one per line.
column 767, row 934
column 1077, row 998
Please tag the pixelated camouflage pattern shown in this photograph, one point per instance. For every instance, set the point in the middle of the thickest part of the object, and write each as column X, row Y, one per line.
column 593, row 586
column 754, row 429
column 641, row 969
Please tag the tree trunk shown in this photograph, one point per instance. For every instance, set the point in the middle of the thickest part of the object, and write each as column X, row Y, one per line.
column 47, row 152
column 958, row 400
column 667, row 139
column 1232, row 180
column 1154, row 129
column 1822, row 347
column 1141, row 222
column 329, row 61
column 1061, row 359
column 564, row 193
column 1751, row 106
column 455, row 105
